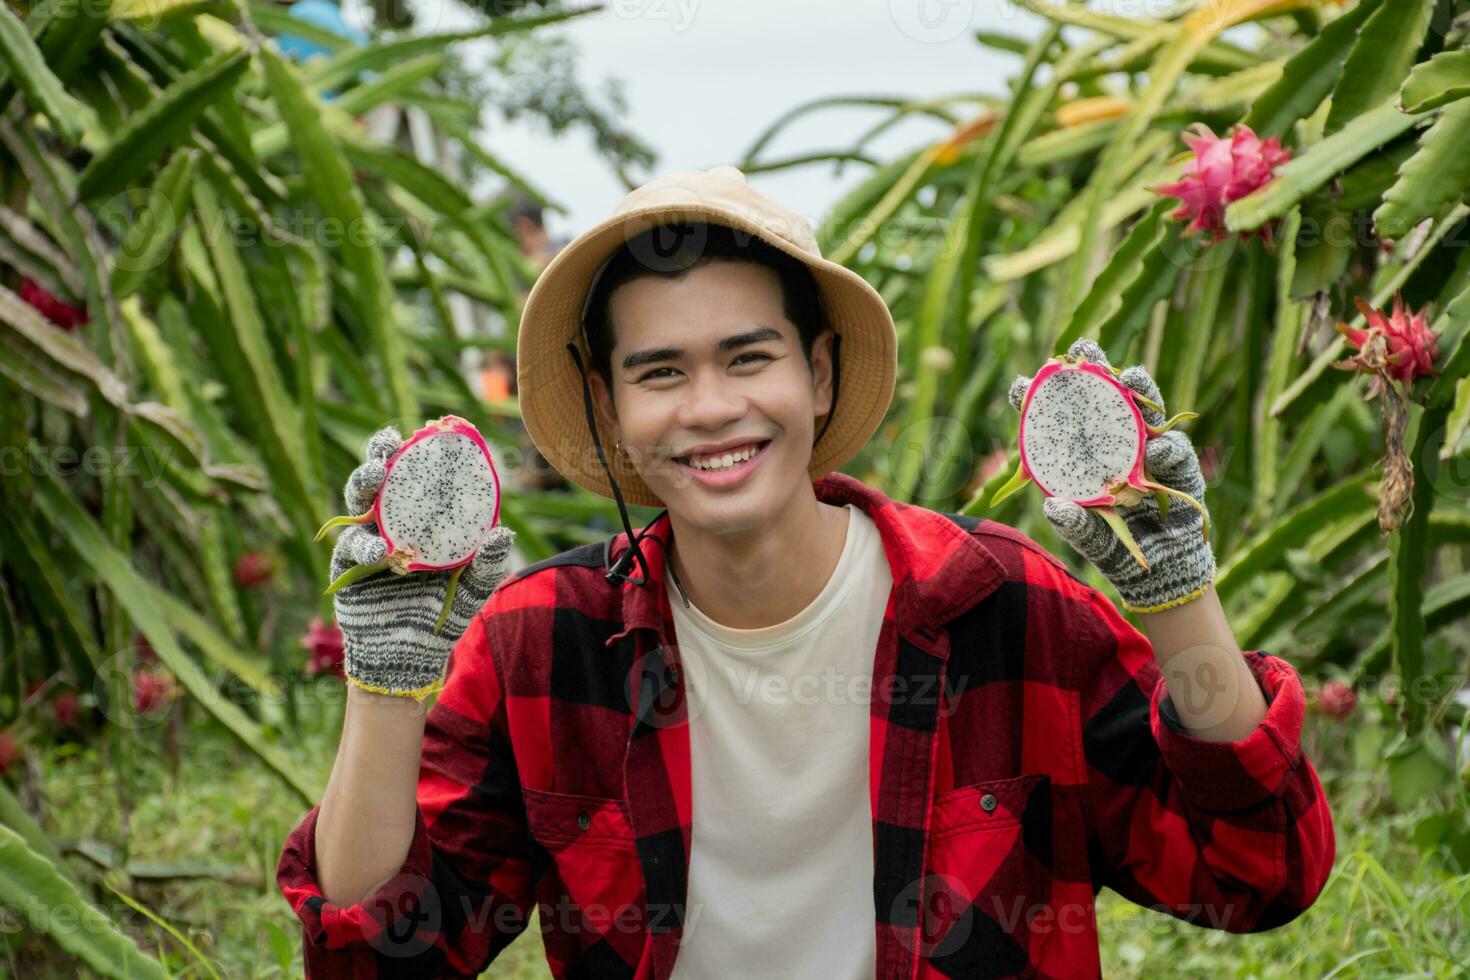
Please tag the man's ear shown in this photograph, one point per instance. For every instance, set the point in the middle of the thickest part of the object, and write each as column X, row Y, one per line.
column 602, row 400
column 822, row 372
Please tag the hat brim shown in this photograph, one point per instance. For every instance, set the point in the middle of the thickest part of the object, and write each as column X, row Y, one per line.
column 550, row 387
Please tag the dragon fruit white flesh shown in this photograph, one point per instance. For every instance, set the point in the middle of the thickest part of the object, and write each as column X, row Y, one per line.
column 1082, row 438
column 440, row 496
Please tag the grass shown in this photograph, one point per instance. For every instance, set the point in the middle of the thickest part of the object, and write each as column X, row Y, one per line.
column 1387, row 910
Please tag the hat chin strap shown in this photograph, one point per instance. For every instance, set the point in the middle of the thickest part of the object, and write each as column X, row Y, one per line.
column 618, row 571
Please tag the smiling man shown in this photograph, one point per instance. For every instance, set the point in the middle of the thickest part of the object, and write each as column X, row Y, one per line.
column 792, row 727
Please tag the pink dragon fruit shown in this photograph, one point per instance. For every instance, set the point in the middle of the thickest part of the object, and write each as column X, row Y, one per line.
column 59, row 312
column 1336, row 699
column 64, row 709
column 11, row 752
column 254, row 569
column 1400, row 343
column 152, row 688
column 324, row 648
column 440, row 496
column 1224, row 169
column 1083, row 438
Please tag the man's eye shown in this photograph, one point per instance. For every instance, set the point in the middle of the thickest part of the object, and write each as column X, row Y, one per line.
column 655, row 372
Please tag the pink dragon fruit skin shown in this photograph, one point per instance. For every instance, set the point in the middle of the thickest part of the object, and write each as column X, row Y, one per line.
column 452, row 423
column 1412, row 346
column 1224, row 170
column 1111, row 473
column 1136, row 476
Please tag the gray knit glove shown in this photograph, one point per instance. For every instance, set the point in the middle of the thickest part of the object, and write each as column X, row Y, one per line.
column 387, row 619
column 1181, row 563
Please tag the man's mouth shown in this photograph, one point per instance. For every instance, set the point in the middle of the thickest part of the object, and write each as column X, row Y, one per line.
column 727, row 460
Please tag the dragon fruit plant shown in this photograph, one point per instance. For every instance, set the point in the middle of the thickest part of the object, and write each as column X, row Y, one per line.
column 439, row 497
column 1082, row 438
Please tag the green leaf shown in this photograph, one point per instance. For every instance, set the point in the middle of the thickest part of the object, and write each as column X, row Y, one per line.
column 52, row 905
column 145, row 604
column 44, row 583
column 1418, row 766
column 63, row 349
column 330, row 181
column 1061, row 239
column 18, row 818
column 867, row 208
column 1459, row 421
column 1267, row 549
column 1439, row 81
column 1309, row 75
column 1158, row 271
column 152, row 232
column 1217, row 54
column 1432, row 178
column 276, row 423
column 1282, row 340
column 1124, row 270
column 1408, row 562
column 163, row 123
column 328, row 73
column 1314, row 168
column 276, row 20
column 1382, row 56
column 21, row 61
column 34, row 373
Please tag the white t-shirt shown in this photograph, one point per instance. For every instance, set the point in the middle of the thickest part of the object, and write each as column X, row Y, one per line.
column 781, row 862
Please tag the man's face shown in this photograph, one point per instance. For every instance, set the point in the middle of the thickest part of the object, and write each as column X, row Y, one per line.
column 675, row 389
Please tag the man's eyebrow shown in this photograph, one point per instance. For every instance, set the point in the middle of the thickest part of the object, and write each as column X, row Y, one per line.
column 653, row 354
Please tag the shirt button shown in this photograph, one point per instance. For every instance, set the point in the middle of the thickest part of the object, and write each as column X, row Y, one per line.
column 987, row 802
column 584, row 821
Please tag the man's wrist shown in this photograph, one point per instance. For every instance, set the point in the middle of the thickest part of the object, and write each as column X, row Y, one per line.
column 382, row 701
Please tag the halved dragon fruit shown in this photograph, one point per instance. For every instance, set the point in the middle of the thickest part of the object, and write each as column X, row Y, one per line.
column 1083, row 439
column 440, row 496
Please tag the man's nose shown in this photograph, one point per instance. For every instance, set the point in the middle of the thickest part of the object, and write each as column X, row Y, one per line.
column 714, row 399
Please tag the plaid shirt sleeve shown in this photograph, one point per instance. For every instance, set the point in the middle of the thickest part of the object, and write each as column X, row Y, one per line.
column 1225, row 835
column 464, row 891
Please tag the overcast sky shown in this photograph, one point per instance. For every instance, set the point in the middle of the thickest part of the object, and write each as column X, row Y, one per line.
column 704, row 77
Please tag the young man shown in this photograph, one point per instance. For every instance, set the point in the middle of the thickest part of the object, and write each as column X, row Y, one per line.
column 791, row 728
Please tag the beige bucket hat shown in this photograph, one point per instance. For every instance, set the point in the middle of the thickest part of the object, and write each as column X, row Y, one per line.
column 554, row 402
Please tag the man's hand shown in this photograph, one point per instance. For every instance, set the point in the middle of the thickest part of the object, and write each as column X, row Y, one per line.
column 1181, row 562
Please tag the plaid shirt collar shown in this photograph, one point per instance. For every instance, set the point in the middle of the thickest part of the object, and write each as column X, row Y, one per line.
column 939, row 569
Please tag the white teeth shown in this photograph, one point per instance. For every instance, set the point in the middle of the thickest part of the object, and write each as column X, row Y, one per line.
column 722, row 462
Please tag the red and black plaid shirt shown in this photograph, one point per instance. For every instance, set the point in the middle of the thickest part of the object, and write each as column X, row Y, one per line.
column 1024, row 755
